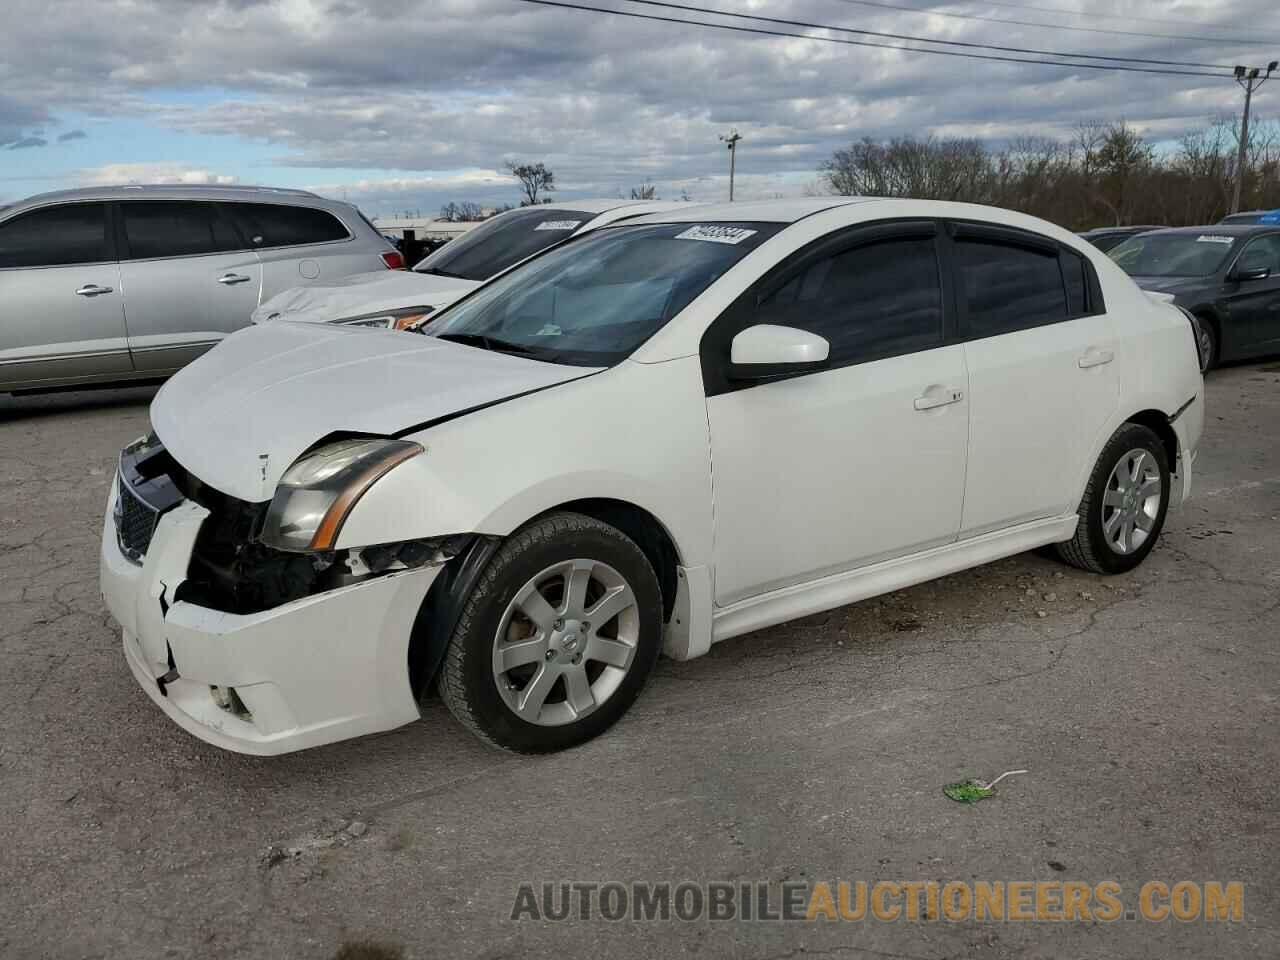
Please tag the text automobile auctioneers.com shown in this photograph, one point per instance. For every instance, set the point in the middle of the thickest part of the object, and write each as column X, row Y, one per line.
column 888, row 901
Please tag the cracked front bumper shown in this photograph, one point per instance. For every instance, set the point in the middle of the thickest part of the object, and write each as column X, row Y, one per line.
column 324, row 668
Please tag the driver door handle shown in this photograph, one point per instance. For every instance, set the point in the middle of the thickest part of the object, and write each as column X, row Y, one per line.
column 92, row 290
column 940, row 399
column 1095, row 358
column 230, row 278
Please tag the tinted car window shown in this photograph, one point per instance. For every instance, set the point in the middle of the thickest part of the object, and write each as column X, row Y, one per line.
column 175, row 228
column 278, row 225
column 869, row 301
column 1262, row 252
column 1174, row 254
column 507, row 239
column 55, row 236
column 595, row 300
column 1008, row 288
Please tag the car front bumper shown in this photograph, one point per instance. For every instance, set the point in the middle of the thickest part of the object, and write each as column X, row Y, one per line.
column 324, row 668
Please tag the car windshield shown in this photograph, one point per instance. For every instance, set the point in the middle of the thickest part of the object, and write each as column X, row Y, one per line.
column 592, row 302
column 1173, row 254
column 502, row 241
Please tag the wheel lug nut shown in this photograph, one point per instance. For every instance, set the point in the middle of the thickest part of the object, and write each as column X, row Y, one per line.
column 559, row 624
column 551, row 654
column 585, row 625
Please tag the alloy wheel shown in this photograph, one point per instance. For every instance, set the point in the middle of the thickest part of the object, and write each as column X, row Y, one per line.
column 1131, row 503
column 566, row 642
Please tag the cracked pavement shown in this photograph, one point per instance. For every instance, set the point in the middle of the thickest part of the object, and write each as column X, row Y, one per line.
column 1145, row 707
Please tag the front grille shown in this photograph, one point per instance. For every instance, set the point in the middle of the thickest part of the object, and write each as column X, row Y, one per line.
column 135, row 521
column 145, row 489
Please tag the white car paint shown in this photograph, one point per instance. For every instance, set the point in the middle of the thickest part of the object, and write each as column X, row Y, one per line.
column 263, row 398
column 781, row 500
column 371, row 293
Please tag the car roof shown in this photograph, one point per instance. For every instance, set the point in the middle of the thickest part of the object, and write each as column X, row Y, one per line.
column 160, row 191
column 1222, row 229
column 758, row 211
column 1102, row 231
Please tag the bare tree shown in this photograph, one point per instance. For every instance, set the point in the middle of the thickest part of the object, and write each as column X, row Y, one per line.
column 534, row 179
column 646, row 191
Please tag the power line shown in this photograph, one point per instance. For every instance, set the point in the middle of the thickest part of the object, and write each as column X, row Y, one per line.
column 1053, row 26
column 871, row 43
column 688, row 8
column 1079, row 13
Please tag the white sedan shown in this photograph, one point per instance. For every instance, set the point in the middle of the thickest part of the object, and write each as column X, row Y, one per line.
column 401, row 300
column 656, row 436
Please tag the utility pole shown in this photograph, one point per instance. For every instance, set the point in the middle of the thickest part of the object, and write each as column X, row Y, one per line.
column 1250, row 78
column 731, row 141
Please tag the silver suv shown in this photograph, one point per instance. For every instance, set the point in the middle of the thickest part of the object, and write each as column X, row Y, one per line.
column 130, row 283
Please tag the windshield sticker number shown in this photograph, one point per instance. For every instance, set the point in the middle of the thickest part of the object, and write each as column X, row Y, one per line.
column 715, row 234
column 1213, row 238
column 559, row 225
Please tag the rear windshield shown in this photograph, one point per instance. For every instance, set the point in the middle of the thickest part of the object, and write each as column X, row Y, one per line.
column 505, row 240
column 1174, row 254
column 595, row 300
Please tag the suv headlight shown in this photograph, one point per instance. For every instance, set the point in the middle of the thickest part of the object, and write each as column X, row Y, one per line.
column 389, row 319
column 317, row 493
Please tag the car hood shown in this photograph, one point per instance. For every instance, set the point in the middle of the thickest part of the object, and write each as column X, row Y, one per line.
column 364, row 293
column 241, row 414
column 1174, row 285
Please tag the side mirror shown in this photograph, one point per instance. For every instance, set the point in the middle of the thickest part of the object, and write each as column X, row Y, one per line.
column 768, row 350
column 1247, row 271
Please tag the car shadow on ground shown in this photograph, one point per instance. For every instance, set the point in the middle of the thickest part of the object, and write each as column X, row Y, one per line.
column 37, row 406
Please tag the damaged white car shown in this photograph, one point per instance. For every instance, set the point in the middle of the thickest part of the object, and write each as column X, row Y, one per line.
column 655, row 436
column 402, row 300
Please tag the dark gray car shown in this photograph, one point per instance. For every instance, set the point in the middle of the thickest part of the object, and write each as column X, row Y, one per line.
column 125, row 284
column 1228, row 277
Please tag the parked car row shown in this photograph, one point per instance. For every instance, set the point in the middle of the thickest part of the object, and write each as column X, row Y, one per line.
column 1226, row 276
column 586, row 446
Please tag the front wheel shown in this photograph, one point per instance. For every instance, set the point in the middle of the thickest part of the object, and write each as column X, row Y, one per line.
column 1124, row 505
column 558, row 637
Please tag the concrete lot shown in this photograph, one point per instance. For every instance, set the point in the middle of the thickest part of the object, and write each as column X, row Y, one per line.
column 1145, row 707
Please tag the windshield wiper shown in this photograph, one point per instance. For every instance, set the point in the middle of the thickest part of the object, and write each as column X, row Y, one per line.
column 487, row 343
column 437, row 272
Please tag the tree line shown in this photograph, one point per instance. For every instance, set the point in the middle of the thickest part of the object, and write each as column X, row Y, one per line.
column 1105, row 174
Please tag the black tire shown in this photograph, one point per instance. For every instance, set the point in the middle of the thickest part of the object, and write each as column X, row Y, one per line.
column 1089, row 549
column 467, row 682
column 1209, row 344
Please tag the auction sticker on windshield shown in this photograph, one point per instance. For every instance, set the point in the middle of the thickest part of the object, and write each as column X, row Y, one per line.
column 716, row 234
column 559, row 225
column 1213, row 238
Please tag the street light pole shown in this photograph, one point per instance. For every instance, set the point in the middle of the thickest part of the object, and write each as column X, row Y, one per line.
column 731, row 141
column 1250, row 79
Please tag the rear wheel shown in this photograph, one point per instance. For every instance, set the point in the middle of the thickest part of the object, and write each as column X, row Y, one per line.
column 558, row 637
column 1124, row 506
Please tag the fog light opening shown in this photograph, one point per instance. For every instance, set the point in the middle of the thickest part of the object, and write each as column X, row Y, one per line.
column 227, row 699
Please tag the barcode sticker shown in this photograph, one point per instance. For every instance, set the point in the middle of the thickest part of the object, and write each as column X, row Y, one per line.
column 559, row 225
column 714, row 234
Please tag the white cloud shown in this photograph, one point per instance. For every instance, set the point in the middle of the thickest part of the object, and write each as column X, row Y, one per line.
column 113, row 174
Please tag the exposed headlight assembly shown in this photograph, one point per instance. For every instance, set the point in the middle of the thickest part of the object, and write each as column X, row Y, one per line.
column 389, row 319
column 317, row 493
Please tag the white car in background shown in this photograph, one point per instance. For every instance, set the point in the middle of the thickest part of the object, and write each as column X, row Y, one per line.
column 659, row 435
column 401, row 300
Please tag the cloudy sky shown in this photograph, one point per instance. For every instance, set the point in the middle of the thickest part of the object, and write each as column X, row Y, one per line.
column 405, row 104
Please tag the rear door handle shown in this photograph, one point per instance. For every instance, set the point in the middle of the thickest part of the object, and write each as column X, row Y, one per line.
column 941, row 399
column 230, row 278
column 1095, row 358
column 92, row 290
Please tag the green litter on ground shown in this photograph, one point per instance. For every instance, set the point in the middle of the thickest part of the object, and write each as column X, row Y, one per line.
column 969, row 791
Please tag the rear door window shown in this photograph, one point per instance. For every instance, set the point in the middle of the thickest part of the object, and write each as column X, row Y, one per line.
column 1005, row 287
column 67, row 234
column 281, row 225
column 175, row 228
